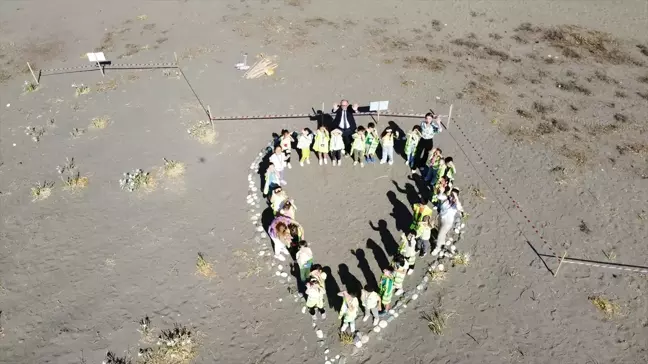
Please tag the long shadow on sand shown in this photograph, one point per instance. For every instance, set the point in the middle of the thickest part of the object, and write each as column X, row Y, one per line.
column 379, row 255
column 352, row 284
column 401, row 213
column 332, row 290
column 423, row 188
column 363, row 264
column 390, row 244
column 409, row 191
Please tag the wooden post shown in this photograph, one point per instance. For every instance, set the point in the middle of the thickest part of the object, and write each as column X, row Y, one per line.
column 33, row 75
column 176, row 57
column 378, row 116
column 101, row 69
column 561, row 262
column 449, row 116
column 210, row 118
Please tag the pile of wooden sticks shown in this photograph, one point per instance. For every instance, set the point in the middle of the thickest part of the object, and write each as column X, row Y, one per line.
column 264, row 66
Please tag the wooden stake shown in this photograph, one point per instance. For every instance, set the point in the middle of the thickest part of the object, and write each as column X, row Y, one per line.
column 561, row 262
column 378, row 116
column 210, row 117
column 449, row 116
column 101, row 69
column 175, row 55
column 32, row 72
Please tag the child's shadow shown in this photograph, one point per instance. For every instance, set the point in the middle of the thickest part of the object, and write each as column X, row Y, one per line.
column 391, row 246
column 363, row 264
column 409, row 191
column 351, row 283
column 400, row 212
column 379, row 255
column 332, row 290
column 265, row 161
column 423, row 188
column 399, row 144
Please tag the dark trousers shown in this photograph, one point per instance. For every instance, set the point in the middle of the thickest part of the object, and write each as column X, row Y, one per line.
column 336, row 155
column 423, row 150
column 348, row 140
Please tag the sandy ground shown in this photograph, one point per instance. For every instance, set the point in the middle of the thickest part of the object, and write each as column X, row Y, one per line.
column 562, row 136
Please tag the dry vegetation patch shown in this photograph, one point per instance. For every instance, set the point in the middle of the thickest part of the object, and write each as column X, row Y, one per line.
column 41, row 191
column 203, row 132
column 430, row 64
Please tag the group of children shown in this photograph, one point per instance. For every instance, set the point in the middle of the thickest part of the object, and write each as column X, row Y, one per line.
column 288, row 235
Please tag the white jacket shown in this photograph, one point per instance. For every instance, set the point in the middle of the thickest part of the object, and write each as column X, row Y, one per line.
column 279, row 161
column 337, row 143
column 304, row 141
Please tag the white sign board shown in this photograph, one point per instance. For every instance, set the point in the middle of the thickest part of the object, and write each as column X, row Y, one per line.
column 378, row 105
column 96, row 57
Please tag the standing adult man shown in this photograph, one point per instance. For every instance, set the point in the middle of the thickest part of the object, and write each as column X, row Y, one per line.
column 430, row 127
column 345, row 121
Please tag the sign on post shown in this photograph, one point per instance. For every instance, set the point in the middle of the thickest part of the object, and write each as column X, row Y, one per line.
column 99, row 58
column 378, row 106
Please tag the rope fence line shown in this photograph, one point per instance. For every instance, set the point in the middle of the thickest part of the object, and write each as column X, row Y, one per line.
column 307, row 115
column 115, row 66
column 599, row 264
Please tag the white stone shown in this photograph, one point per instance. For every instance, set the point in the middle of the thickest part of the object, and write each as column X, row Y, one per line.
column 284, row 274
column 337, row 357
column 254, row 189
column 449, row 241
column 326, row 351
column 440, row 268
column 280, row 267
column 261, row 253
column 462, row 226
column 358, row 344
column 404, row 306
column 281, row 299
column 260, row 154
column 259, row 228
column 395, row 314
column 376, row 328
column 320, row 334
column 426, row 278
column 456, row 231
column 303, row 309
column 263, row 235
column 277, row 273
column 391, row 312
column 414, row 297
column 419, row 287
column 382, row 324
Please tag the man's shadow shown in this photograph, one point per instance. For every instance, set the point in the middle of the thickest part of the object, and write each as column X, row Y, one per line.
column 379, row 256
column 352, row 284
column 332, row 290
column 363, row 264
column 401, row 213
column 322, row 118
column 390, row 244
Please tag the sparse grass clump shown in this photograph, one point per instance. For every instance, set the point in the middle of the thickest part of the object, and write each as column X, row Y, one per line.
column 80, row 89
column 100, row 122
column 437, row 276
column 605, row 305
column 145, row 326
column 29, row 86
column 436, row 321
column 174, row 346
column 35, row 132
column 73, row 181
column 477, row 192
column 112, row 358
column 346, row 338
column 41, row 191
column 103, row 86
column 203, row 267
column 430, row 64
column 173, row 168
column 136, row 180
column 461, row 259
column 76, row 132
column 203, row 132
column 573, row 87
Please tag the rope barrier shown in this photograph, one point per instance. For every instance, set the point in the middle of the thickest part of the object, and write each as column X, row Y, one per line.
column 598, row 264
column 299, row 116
column 114, row 66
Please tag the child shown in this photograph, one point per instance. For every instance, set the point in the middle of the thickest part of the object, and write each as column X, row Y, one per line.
column 337, row 147
column 413, row 138
column 287, row 208
column 423, row 234
column 433, row 166
column 318, row 274
column 304, row 259
column 450, row 171
column 277, row 199
column 400, row 271
column 420, row 210
column 304, row 142
column 371, row 302
column 386, row 289
column 371, row 143
column 440, row 172
column 358, row 146
column 348, row 311
column 321, row 146
column 278, row 159
column 315, row 299
column 439, row 188
column 408, row 249
column 280, row 236
column 285, row 142
column 387, row 140
column 272, row 180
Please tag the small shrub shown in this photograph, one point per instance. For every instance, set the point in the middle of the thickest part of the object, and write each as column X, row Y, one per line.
column 112, row 358
column 436, row 321
column 605, row 305
column 100, row 122
column 203, row 132
column 477, row 192
column 76, row 132
column 173, row 168
column 203, row 267
column 80, row 89
column 175, row 346
column 36, row 132
column 436, row 276
column 346, row 338
column 136, row 180
column 584, row 228
column 29, row 86
column 145, row 326
column 461, row 259
column 620, row 94
column 523, row 113
column 436, row 25
column 610, row 255
column 41, row 191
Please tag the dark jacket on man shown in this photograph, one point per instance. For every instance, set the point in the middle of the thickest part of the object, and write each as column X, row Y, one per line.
column 350, row 119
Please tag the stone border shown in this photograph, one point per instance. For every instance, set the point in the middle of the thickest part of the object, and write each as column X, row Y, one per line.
column 254, row 199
